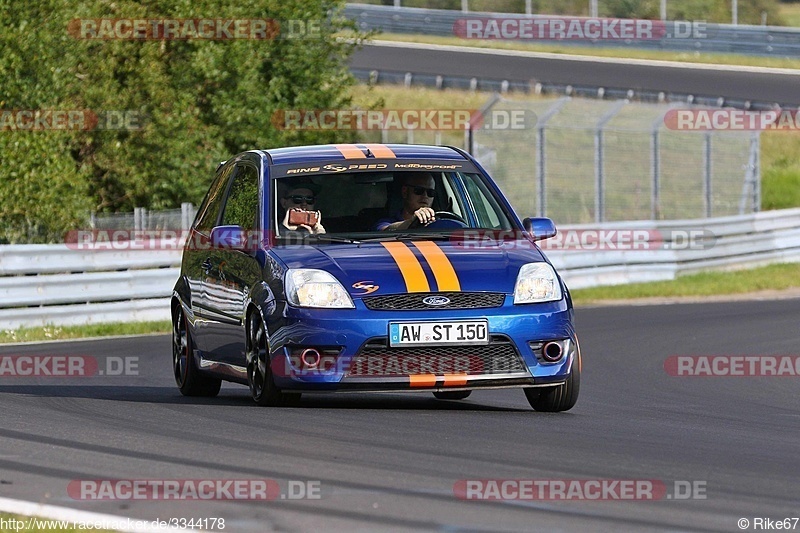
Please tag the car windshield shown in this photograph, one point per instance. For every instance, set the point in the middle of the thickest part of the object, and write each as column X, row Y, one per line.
column 356, row 206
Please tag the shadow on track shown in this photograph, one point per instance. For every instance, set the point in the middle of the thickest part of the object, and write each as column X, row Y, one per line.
column 235, row 398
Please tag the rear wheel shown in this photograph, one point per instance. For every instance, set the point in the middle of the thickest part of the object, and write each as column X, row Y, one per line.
column 259, row 371
column 190, row 381
column 452, row 395
column 560, row 397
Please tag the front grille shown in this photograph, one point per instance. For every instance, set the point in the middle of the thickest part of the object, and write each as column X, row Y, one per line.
column 413, row 301
column 377, row 358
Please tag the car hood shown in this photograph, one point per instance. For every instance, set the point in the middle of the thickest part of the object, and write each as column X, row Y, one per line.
column 394, row 267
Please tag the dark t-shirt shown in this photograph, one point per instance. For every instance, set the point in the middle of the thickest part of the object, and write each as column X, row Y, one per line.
column 383, row 223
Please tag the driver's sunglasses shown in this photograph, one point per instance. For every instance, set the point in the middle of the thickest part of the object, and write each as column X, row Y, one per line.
column 299, row 199
column 419, row 191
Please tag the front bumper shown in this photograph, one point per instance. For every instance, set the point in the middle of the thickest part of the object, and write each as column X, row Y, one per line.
column 344, row 337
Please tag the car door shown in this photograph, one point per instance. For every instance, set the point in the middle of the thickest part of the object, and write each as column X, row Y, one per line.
column 234, row 270
column 196, row 254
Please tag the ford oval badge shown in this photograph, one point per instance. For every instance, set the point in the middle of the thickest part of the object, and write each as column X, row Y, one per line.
column 436, row 300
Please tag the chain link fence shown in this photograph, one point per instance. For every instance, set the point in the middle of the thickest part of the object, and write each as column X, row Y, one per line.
column 592, row 161
column 143, row 219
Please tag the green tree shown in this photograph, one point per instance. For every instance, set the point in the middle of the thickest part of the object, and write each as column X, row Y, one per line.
column 196, row 102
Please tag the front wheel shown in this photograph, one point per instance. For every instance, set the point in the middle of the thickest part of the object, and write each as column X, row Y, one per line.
column 452, row 395
column 190, row 381
column 259, row 371
column 560, row 397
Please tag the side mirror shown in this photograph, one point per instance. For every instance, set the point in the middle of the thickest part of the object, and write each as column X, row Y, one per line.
column 540, row 227
column 228, row 237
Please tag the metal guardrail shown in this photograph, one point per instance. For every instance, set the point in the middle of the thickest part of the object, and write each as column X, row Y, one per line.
column 53, row 284
column 741, row 39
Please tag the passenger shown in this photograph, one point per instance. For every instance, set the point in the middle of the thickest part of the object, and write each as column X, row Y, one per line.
column 301, row 196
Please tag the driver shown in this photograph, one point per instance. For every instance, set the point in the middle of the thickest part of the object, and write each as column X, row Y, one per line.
column 417, row 191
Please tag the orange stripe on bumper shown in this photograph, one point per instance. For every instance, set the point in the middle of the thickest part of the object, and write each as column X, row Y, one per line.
column 381, row 151
column 455, row 380
column 423, row 380
column 443, row 271
column 409, row 266
column 350, row 151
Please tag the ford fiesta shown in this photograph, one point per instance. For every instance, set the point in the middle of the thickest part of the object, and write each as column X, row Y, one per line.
column 304, row 272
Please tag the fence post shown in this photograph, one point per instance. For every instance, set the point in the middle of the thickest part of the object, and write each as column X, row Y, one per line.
column 541, row 153
column 599, row 181
column 186, row 215
column 541, row 209
column 599, row 177
column 138, row 218
column 655, row 173
column 757, row 172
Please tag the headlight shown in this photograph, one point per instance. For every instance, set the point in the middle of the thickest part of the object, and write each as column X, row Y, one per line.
column 306, row 287
column 537, row 282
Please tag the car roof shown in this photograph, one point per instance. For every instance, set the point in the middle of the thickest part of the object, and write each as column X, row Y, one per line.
column 354, row 152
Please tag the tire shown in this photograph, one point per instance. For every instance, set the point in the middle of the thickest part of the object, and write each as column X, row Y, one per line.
column 190, row 381
column 259, row 370
column 452, row 395
column 561, row 397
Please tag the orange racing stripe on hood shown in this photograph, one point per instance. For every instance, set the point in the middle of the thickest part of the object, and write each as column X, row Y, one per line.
column 446, row 277
column 409, row 266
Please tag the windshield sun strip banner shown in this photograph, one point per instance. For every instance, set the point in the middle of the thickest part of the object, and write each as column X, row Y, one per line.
column 370, row 165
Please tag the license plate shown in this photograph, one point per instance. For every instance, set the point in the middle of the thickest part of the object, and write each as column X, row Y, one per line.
column 439, row 333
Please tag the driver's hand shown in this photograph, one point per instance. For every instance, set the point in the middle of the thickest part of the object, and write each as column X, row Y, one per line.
column 425, row 215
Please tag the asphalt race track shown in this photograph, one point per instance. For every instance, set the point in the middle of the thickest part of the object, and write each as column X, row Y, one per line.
column 739, row 85
column 390, row 462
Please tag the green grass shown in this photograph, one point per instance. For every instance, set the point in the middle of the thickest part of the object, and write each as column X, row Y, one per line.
column 683, row 57
column 780, row 170
column 52, row 333
column 40, row 525
column 790, row 13
column 774, row 277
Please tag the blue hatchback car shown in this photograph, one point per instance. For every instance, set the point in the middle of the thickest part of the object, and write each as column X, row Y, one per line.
column 369, row 267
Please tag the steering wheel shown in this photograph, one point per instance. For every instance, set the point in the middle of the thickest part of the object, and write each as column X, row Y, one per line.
column 444, row 219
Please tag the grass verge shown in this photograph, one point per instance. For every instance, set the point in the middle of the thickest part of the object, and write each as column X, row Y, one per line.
column 54, row 333
column 619, row 52
column 773, row 277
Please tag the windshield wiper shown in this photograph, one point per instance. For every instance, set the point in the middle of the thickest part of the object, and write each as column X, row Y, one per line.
column 333, row 238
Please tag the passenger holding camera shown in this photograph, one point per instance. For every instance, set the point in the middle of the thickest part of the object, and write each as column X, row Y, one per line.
column 299, row 201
